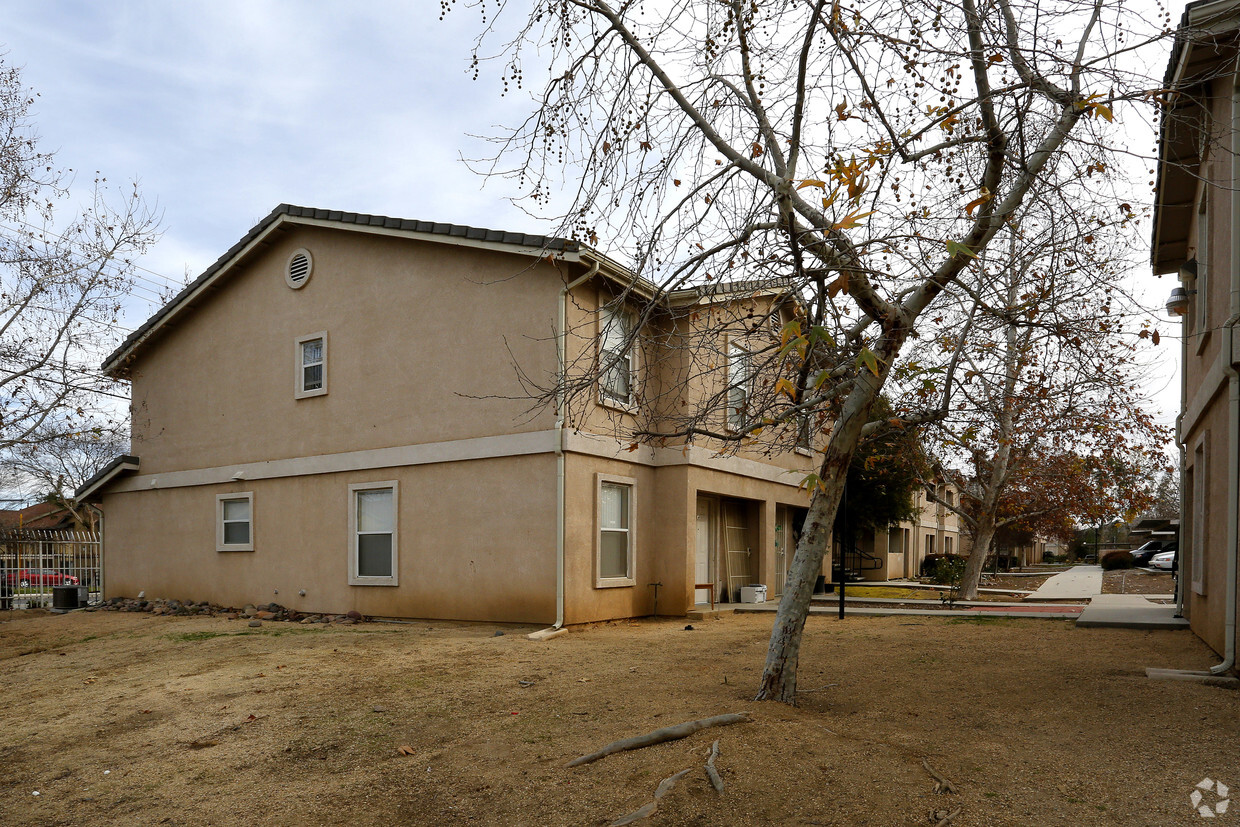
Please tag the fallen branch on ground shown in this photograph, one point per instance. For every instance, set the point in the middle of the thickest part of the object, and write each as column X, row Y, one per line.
column 671, row 733
column 713, row 774
column 942, row 818
column 941, row 784
column 650, row 807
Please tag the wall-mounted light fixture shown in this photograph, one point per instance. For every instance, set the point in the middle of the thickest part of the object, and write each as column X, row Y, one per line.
column 1177, row 302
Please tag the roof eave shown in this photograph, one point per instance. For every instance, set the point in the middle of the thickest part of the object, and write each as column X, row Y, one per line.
column 124, row 464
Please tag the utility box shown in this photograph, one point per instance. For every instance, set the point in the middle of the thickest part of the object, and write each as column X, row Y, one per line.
column 753, row 593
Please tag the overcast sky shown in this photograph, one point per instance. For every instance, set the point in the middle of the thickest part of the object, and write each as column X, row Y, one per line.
column 221, row 110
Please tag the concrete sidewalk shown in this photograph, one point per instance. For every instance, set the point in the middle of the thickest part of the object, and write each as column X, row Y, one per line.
column 1003, row 610
column 1130, row 611
column 1077, row 583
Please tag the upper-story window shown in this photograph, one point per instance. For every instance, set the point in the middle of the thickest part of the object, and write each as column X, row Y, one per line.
column 615, row 356
column 740, row 380
column 311, row 364
column 805, row 439
column 1202, row 284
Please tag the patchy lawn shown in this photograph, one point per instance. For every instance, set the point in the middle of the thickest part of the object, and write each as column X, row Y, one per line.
column 133, row 719
column 1137, row 581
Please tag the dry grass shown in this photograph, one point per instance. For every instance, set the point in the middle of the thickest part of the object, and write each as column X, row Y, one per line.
column 128, row 719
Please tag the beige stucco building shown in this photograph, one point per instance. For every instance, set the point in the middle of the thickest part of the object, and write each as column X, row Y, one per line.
column 898, row 552
column 337, row 415
column 1197, row 237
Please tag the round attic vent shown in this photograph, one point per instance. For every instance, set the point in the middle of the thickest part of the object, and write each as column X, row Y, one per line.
column 300, row 266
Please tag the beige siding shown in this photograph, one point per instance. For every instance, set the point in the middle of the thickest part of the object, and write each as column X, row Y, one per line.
column 415, row 332
column 468, row 548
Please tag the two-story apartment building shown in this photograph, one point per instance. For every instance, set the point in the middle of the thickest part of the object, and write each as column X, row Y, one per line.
column 898, row 552
column 337, row 415
column 1196, row 236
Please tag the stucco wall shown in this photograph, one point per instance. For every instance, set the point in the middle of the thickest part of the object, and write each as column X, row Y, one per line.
column 416, row 331
column 476, row 541
column 1206, row 611
column 666, row 508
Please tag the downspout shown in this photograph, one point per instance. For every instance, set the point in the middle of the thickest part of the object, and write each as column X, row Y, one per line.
column 1233, row 396
column 560, row 405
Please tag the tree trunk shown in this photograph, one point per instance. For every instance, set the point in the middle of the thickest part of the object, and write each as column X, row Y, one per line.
column 977, row 557
column 779, row 677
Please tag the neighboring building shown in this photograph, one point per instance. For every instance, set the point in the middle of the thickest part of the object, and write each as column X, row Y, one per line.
column 39, row 516
column 1196, row 235
column 336, row 415
column 898, row 552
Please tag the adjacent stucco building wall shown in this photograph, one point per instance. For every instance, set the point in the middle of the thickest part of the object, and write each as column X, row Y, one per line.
column 467, row 548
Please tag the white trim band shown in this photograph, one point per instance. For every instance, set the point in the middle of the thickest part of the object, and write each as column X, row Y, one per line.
column 460, row 450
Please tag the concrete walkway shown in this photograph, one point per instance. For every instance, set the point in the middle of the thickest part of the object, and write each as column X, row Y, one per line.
column 1077, row 583
column 1131, row 611
column 1002, row 610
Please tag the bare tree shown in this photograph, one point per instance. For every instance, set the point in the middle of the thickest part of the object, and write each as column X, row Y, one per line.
column 61, row 279
column 1047, row 410
column 856, row 159
column 54, row 467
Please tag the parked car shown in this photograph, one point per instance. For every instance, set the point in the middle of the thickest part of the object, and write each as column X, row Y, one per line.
column 1163, row 560
column 41, row 577
column 1141, row 556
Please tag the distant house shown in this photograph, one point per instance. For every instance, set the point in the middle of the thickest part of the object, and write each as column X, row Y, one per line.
column 1196, row 237
column 333, row 417
column 45, row 516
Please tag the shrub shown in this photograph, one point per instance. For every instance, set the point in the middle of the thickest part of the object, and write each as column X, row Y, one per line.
column 1113, row 560
column 929, row 564
column 949, row 571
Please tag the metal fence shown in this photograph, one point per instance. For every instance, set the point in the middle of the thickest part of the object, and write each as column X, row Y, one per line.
column 33, row 561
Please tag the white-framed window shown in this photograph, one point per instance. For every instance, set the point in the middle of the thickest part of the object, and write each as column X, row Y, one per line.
column 310, row 360
column 740, row 379
column 373, row 535
column 616, row 540
column 234, row 521
column 805, row 441
column 1202, row 282
column 1201, row 515
column 617, row 370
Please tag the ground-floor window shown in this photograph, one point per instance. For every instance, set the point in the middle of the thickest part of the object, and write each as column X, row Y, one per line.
column 234, row 522
column 929, row 544
column 373, row 534
column 615, row 553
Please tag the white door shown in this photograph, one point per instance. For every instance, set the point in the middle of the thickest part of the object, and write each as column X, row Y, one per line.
column 702, row 555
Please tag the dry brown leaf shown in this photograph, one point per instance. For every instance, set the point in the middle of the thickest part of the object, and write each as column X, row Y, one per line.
column 405, row 749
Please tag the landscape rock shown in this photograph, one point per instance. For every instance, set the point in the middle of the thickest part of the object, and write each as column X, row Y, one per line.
column 255, row 623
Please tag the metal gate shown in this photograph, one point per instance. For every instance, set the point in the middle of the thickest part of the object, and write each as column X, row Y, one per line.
column 33, row 561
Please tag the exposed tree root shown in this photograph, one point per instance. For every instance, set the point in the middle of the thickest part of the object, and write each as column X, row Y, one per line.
column 713, row 774
column 942, row 818
column 650, row 807
column 671, row 733
column 941, row 784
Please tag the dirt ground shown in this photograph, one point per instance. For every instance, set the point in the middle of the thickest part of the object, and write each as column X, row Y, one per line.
column 119, row 718
column 1137, row 581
